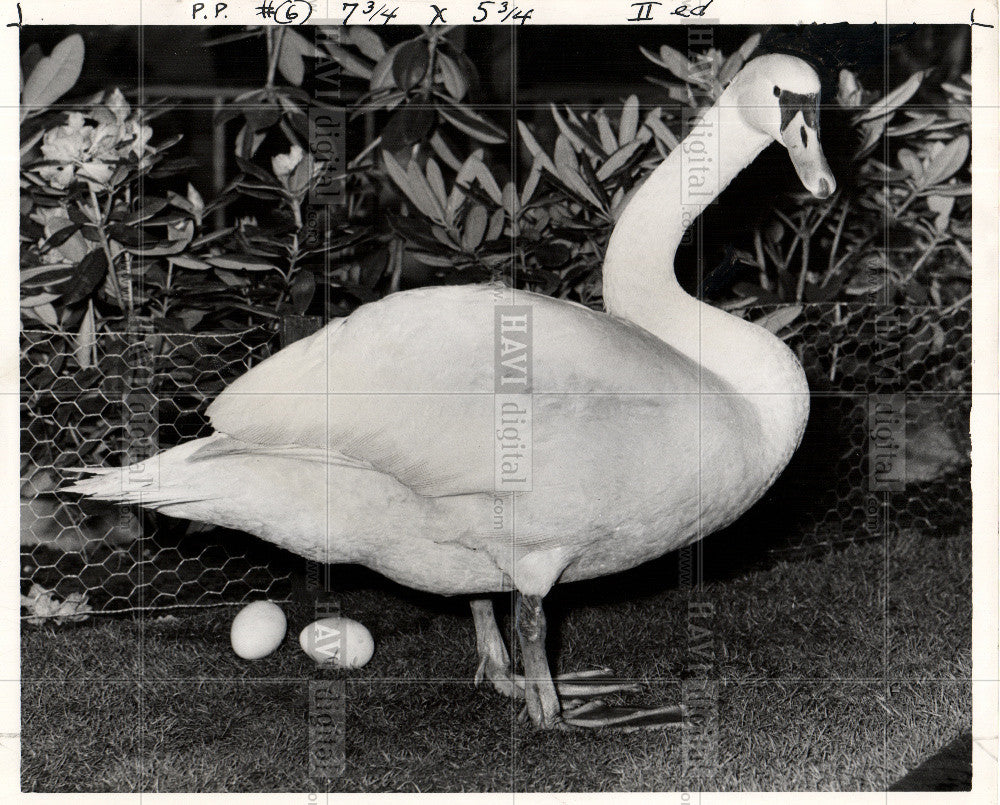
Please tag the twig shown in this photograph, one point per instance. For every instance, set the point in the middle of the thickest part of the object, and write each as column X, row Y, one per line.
column 274, row 39
column 836, row 241
column 801, row 285
column 935, row 242
column 106, row 247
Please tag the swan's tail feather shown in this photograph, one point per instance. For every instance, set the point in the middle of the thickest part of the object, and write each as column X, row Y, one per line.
column 113, row 486
column 159, row 483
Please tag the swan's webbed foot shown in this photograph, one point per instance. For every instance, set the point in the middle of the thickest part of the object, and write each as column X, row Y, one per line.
column 598, row 714
column 583, row 705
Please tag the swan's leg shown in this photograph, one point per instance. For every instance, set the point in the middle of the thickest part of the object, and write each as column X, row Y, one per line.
column 494, row 661
column 539, row 689
column 578, row 692
column 494, row 665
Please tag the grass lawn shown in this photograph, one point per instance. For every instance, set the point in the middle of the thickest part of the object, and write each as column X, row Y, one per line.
column 839, row 673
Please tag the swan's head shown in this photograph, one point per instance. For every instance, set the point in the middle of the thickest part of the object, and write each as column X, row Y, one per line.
column 779, row 96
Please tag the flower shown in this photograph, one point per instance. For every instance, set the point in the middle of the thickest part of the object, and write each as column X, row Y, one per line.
column 297, row 171
column 42, row 605
column 117, row 105
column 284, row 164
column 92, row 152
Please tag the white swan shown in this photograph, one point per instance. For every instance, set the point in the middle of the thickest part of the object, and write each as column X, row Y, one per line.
column 375, row 440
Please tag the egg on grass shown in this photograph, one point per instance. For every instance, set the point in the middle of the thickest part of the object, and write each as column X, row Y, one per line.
column 341, row 642
column 258, row 630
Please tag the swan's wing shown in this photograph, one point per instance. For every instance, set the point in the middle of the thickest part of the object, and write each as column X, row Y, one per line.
column 408, row 385
column 402, row 385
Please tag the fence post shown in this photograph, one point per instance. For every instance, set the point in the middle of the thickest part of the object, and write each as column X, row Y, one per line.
column 294, row 327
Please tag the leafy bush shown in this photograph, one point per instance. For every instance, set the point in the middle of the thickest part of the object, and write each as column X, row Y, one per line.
column 101, row 248
column 99, row 245
column 809, row 250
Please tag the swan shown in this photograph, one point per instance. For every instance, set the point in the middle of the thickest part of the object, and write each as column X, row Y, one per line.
column 382, row 439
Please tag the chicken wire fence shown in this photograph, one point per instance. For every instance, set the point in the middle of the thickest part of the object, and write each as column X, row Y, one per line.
column 126, row 397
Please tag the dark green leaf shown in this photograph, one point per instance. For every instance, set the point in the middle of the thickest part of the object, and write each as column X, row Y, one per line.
column 303, row 290
column 127, row 235
column 238, row 262
column 225, row 115
column 59, row 238
column 407, row 126
column 147, row 207
column 78, row 216
column 261, row 118
column 87, row 276
column 211, row 236
column 168, row 219
column 595, row 184
column 293, row 47
column 551, row 255
column 30, row 58
column 451, row 75
column 476, row 126
column 410, row 64
column 170, row 142
column 30, row 229
column 255, row 170
column 269, row 196
column 947, row 161
column 475, row 227
column 171, row 167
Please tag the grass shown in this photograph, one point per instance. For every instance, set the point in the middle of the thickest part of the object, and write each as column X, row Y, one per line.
column 841, row 673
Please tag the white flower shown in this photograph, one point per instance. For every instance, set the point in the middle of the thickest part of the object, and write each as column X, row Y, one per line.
column 139, row 134
column 100, row 172
column 118, row 105
column 42, row 605
column 92, row 152
column 284, row 164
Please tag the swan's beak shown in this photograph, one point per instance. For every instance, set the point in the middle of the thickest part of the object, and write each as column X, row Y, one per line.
column 802, row 142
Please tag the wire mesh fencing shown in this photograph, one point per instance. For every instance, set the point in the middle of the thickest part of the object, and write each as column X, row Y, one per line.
column 114, row 403
column 123, row 398
column 866, row 363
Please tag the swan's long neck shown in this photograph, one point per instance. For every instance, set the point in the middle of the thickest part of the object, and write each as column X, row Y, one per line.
column 640, row 284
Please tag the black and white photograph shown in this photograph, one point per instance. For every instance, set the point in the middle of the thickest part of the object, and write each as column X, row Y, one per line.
column 506, row 400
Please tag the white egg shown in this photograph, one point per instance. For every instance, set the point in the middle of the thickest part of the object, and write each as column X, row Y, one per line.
column 258, row 630
column 342, row 642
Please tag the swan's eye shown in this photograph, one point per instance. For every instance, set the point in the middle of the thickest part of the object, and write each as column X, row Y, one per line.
column 805, row 139
column 777, row 92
